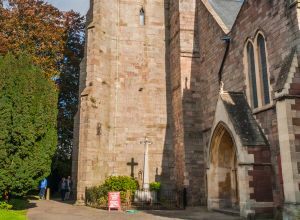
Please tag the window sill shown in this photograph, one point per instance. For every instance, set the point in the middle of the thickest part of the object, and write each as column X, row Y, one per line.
column 263, row 108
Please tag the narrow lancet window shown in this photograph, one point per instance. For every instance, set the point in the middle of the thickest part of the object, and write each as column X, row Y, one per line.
column 263, row 68
column 142, row 17
column 252, row 75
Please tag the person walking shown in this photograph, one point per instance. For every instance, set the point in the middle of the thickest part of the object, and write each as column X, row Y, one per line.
column 69, row 187
column 43, row 187
column 63, row 187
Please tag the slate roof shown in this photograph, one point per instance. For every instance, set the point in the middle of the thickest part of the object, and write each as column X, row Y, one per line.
column 284, row 71
column 227, row 10
column 243, row 121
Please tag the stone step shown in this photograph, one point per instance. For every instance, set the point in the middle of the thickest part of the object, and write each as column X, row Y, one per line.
column 232, row 212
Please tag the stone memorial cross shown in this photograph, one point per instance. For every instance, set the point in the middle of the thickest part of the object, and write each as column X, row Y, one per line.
column 146, row 143
column 132, row 164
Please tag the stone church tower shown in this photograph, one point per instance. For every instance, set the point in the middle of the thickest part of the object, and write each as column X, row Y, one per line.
column 123, row 92
column 126, row 92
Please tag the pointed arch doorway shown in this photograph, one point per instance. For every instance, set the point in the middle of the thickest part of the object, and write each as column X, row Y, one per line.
column 222, row 175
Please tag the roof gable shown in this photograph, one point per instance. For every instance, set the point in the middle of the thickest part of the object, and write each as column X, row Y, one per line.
column 224, row 12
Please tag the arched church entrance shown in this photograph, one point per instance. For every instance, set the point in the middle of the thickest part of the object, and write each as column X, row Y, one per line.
column 222, row 175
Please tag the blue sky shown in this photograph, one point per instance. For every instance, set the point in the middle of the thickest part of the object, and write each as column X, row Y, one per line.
column 66, row 5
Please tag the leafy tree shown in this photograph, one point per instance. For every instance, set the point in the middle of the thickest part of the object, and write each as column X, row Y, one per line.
column 28, row 116
column 36, row 27
column 69, row 81
column 68, row 94
column 55, row 41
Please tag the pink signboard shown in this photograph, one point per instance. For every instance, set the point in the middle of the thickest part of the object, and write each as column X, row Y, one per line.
column 114, row 200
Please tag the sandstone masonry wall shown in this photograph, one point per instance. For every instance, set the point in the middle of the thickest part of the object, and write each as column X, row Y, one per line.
column 184, row 63
column 277, row 22
column 123, row 94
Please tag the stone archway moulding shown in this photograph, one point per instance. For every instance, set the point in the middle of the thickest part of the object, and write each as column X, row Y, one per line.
column 222, row 119
column 244, row 160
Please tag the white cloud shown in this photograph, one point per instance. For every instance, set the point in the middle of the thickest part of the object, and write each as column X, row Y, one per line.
column 66, row 5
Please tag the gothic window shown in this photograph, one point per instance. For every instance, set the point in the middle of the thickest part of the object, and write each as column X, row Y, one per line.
column 142, row 17
column 263, row 69
column 257, row 73
column 252, row 75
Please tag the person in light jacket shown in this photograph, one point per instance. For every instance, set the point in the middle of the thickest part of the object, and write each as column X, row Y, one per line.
column 43, row 187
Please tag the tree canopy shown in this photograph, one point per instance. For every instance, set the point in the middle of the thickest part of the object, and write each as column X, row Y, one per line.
column 28, row 112
column 69, row 82
column 36, row 27
column 53, row 41
column 68, row 96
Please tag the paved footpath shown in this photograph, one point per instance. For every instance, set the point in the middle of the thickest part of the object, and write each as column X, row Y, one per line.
column 54, row 210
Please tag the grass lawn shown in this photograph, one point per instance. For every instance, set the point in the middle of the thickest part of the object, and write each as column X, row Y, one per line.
column 17, row 213
column 13, row 215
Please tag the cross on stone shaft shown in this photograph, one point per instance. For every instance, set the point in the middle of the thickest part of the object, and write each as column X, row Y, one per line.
column 146, row 142
column 132, row 164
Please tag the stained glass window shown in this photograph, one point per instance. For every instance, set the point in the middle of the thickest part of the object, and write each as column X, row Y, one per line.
column 252, row 75
column 263, row 68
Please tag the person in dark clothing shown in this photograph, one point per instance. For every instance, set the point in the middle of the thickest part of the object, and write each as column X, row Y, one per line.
column 69, row 187
column 63, row 188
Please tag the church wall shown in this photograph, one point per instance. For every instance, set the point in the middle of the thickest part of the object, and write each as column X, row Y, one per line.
column 184, row 63
column 211, row 53
column 263, row 174
column 211, row 50
column 175, row 79
column 133, row 84
column 140, row 107
column 193, row 148
column 278, row 23
column 93, row 115
column 288, row 126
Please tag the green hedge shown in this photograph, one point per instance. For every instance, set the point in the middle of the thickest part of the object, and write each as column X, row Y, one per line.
column 98, row 195
column 155, row 186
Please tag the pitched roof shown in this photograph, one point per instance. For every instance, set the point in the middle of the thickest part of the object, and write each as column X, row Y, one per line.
column 224, row 11
column 242, row 118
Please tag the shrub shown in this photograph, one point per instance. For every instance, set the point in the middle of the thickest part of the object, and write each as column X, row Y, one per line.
column 155, row 186
column 4, row 205
column 120, row 183
column 98, row 195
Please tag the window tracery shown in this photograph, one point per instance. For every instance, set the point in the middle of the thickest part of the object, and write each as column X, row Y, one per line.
column 257, row 74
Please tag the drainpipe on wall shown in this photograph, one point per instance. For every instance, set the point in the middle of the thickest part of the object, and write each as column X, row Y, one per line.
column 227, row 40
